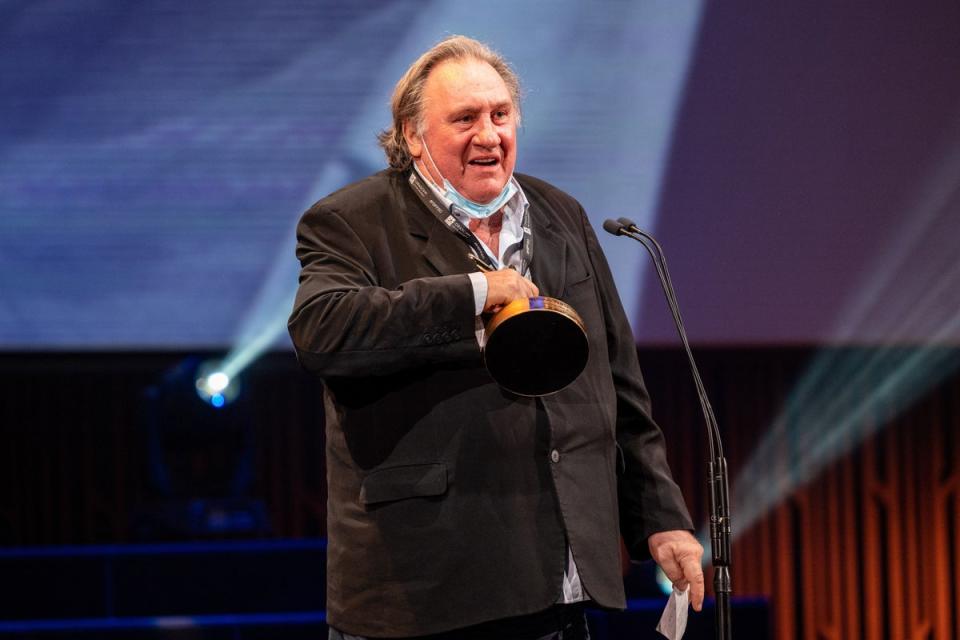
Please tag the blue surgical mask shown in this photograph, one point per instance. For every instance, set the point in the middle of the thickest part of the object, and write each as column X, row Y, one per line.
column 473, row 209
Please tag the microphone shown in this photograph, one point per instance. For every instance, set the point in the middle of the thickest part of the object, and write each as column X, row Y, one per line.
column 718, row 483
column 611, row 226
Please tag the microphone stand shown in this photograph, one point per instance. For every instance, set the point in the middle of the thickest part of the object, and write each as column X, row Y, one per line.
column 718, row 481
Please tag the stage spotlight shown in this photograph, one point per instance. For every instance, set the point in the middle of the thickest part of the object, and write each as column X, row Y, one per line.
column 217, row 381
column 214, row 386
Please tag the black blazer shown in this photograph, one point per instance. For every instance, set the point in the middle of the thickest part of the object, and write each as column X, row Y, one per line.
column 447, row 505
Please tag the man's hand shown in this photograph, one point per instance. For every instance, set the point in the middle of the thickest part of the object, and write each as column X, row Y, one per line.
column 504, row 286
column 680, row 556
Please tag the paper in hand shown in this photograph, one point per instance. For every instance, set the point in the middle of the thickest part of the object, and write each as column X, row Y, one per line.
column 673, row 620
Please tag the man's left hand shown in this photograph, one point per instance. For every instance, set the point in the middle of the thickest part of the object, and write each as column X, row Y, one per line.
column 680, row 556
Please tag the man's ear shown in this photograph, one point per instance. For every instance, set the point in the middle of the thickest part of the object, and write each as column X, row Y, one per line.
column 414, row 142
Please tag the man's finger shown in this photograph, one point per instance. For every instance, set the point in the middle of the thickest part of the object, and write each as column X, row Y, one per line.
column 693, row 573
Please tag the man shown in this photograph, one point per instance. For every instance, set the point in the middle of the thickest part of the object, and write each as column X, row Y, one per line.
column 456, row 507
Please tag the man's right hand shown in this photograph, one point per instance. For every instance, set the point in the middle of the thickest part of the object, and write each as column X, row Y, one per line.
column 504, row 286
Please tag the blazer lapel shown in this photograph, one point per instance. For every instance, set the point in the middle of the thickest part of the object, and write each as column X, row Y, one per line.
column 443, row 251
column 549, row 253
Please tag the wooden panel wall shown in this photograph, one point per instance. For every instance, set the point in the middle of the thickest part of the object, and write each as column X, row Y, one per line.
column 870, row 548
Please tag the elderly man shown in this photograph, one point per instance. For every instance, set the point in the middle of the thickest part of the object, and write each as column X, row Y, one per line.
column 457, row 508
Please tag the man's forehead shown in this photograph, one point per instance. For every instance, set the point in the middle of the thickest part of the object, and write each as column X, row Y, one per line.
column 465, row 83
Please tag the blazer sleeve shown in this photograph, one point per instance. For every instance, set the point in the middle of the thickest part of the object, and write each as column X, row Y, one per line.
column 649, row 499
column 345, row 323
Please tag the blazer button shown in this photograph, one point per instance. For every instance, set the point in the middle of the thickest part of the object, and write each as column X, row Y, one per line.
column 555, row 456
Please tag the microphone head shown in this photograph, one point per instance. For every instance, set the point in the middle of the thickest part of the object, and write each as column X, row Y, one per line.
column 611, row 226
column 627, row 222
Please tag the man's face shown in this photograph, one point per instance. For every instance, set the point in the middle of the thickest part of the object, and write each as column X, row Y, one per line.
column 470, row 128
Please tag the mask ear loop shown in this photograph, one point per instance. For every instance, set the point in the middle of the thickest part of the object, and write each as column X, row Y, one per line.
column 429, row 155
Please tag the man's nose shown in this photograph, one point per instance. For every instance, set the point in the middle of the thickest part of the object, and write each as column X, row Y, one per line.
column 487, row 135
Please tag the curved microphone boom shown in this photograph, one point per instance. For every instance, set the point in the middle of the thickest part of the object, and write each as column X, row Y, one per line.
column 718, row 484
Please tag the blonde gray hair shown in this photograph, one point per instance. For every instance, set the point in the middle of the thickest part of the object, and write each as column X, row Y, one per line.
column 407, row 101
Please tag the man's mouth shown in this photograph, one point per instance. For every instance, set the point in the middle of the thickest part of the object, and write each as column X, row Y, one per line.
column 484, row 162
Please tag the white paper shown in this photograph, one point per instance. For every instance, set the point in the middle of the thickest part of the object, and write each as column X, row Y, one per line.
column 673, row 620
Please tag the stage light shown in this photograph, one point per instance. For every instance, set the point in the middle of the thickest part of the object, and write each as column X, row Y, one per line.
column 215, row 386
column 217, row 381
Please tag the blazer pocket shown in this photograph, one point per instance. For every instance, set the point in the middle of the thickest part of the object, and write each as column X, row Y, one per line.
column 407, row 481
column 577, row 284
